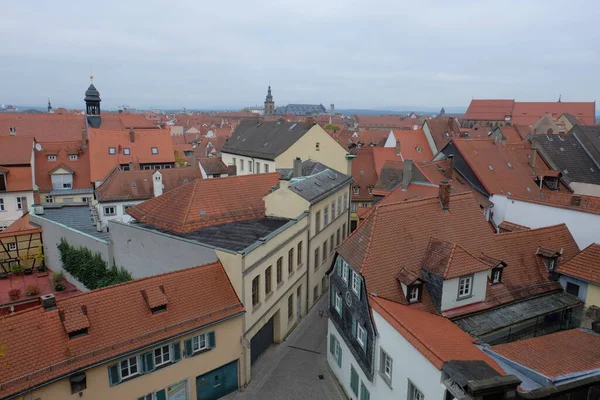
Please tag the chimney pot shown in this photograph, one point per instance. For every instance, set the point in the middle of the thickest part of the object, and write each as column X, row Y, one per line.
column 297, row 170
column 448, row 172
column 444, row 195
column 48, row 302
column 532, row 157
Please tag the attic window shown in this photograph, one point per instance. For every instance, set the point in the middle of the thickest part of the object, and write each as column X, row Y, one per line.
column 318, row 146
column 112, row 151
column 78, row 333
column 562, row 149
column 370, row 189
column 52, row 157
column 159, row 309
column 415, row 293
column 72, row 157
column 496, row 276
column 12, row 129
column 133, row 184
column 509, row 165
column 356, row 190
column 126, row 151
column 185, row 180
column 155, row 150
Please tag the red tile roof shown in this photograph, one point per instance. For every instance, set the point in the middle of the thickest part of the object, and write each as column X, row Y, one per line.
column 20, row 227
column 510, row 134
column 15, row 150
column 62, row 150
column 585, row 265
column 557, row 354
column 588, row 204
column 208, row 202
column 213, row 165
column 413, row 145
column 528, row 113
column 364, row 173
column 442, row 130
column 378, row 121
column 125, row 121
column 375, row 137
column 489, row 110
column 436, row 338
column 119, row 185
column 18, row 179
column 101, row 162
column 119, row 321
column 381, row 155
column 507, row 226
column 450, row 260
column 44, row 127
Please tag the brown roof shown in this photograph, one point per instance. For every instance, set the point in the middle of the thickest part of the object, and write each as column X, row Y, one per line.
column 375, row 137
column 125, row 121
column 413, row 144
column 18, row 178
column 101, row 162
column 510, row 134
column 585, row 265
column 436, row 338
column 379, row 121
column 528, row 113
column 44, row 127
column 20, row 227
column 213, row 165
column 443, row 130
column 489, row 110
column 364, row 173
column 138, row 184
column 15, row 150
column 588, row 204
column 208, row 202
column 557, row 354
column 119, row 321
column 62, row 150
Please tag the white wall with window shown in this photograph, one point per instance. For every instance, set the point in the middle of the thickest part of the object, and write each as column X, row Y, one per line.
column 12, row 205
column 62, row 181
column 115, row 211
column 400, row 369
column 248, row 165
column 465, row 290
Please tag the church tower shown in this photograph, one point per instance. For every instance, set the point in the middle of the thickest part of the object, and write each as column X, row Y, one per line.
column 269, row 103
column 92, row 105
column 50, row 111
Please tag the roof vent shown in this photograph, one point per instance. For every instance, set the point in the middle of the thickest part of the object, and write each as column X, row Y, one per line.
column 133, row 184
column 202, row 212
column 562, row 149
column 185, row 180
column 491, row 168
column 362, row 172
column 318, row 183
column 509, row 165
column 12, row 131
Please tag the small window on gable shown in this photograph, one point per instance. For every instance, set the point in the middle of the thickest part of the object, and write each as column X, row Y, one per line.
column 318, row 146
column 496, row 276
column 112, row 150
column 73, row 157
column 78, row 333
column 356, row 189
column 415, row 293
column 78, row 382
column 159, row 309
column 465, row 287
column 126, row 151
column 155, row 150
column 52, row 157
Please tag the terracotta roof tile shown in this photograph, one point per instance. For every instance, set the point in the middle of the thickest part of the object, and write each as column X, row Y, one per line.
column 208, row 202
column 378, row 121
column 557, row 354
column 443, row 130
column 507, row 226
column 364, row 173
column 449, row 260
column 585, row 265
column 435, row 337
column 588, row 204
column 489, row 110
column 44, row 127
column 74, row 317
column 125, row 121
column 375, row 137
column 413, row 145
column 20, row 227
column 62, row 151
column 528, row 113
column 101, row 162
column 15, row 150
column 119, row 321
column 510, row 134
column 18, row 178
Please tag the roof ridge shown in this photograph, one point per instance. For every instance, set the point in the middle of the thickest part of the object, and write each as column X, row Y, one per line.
column 416, row 200
column 532, row 229
column 369, row 239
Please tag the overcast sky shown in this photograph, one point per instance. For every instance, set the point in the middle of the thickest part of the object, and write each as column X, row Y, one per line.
column 357, row 54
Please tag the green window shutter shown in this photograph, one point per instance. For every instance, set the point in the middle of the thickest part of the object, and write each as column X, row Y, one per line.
column 339, row 358
column 211, row 340
column 353, row 380
column 359, row 287
column 332, row 344
column 364, row 393
column 341, row 305
column 148, row 362
column 354, row 326
column 176, row 351
column 161, row 395
column 332, row 298
column 187, row 347
column 113, row 375
column 338, row 264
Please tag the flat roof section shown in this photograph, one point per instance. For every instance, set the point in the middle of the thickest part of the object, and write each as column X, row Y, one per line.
column 78, row 218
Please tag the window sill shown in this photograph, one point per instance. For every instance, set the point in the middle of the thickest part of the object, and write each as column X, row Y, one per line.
column 130, row 377
column 386, row 379
column 464, row 297
column 268, row 295
column 300, row 266
column 198, row 352
column 291, row 273
column 255, row 307
column 280, row 284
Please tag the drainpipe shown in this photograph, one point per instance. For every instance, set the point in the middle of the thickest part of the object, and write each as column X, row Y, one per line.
column 308, row 259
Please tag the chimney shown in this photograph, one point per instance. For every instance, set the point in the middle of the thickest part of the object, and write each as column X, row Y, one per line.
column 99, row 226
column 24, row 205
column 576, row 201
column 297, row 171
column 157, row 183
column 407, row 174
column 451, row 159
column 532, row 157
column 398, row 148
column 444, row 195
column 48, row 301
column 12, row 131
column 131, row 135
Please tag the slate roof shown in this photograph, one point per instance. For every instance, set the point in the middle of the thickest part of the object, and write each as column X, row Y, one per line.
column 138, row 184
column 565, row 152
column 390, row 177
column 585, row 265
column 77, row 217
column 207, row 202
column 589, row 137
column 319, row 185
column 559, row 354
column 435, row 337
column 301, row 109
column 264, row 140
column 309, row 167
column 119, row 321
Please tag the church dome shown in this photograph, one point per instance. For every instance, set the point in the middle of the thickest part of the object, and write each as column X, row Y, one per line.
column 92, row 94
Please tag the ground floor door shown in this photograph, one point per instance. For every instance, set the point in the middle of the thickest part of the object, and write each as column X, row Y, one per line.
column 261, row 340
column 218, row 382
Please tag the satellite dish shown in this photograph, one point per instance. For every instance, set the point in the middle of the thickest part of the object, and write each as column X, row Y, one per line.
column 38, row 147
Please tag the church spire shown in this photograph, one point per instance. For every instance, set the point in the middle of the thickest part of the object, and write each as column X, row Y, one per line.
column 92, row 104
column 50, row 111
column 269, row 103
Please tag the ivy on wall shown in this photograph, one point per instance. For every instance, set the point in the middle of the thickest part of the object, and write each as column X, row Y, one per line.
column 89, row 268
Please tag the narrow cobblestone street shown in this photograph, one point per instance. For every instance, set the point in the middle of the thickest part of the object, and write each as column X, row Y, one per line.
column 291, row 369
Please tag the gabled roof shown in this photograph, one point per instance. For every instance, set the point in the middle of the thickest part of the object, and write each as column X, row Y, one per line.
column 589, row 137
column 528, row 113
column 207, row 202
column 585, row 265
column 20, row 227
column 213, row 165
column 119, row 321
column 442, row 130
column 435, row 337
column 100, row 140
column 138, row 184
column 301, row 109
column 364, row 172
column 376, row 137
column 44, row 127
column 16, row 150
column 510, row 134
column 489, row 110
column 413, row 145
column 18, row 178
column 265, row 140
column 62, row 151
column 449, row 260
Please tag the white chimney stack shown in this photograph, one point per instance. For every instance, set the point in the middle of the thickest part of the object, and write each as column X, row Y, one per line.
column 157, row 183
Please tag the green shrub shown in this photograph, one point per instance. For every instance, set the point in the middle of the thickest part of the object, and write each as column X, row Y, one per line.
column 89, row 268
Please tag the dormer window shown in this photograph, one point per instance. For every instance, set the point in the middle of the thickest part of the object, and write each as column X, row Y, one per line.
column 496, row 276
column 356, row 189
column 415, row 293
column 78, row 333
column 52, row 157
column 126, row 151
column 112, row 151
column 159, row 309
column 549, row 257
column 73, row 157
column 155, row 150
column 370, row 189
column 465, row 287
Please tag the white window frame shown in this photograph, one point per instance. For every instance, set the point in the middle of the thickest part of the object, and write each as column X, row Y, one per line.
column 266, row 168
column 361, row 335
column 154, row 150
column 127, row 365
column 126, row 151
column 241, row 164
column 356, row 190
column 112, row 151
column 498, row 278
column 326, row 215
column 49, row 199
column 19, row 201
column 345, row 271
column 339, row 205
column 355, row 281
column 465, row 287
column 386, row 365
column 345, row 201
column 73, row 157
column 354, row 207
column 12, row 247
column 338, row 303
column 51, row 157
column 250, row 166
column 2, row 205
column 257, row 167
column 332, row 210
column 413, row 293
column 163, row 353
column 413, row 392
column 109, row 214
column 199, row 343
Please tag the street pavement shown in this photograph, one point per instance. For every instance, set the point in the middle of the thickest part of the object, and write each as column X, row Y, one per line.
column 291, row 370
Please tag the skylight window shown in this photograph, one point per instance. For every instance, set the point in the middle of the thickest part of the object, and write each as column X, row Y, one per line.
column 509, row 165
column 566, row 171
column 491, row 168
column 562, row 149
column 155, row 150
column 112, row 151
column 528, row 189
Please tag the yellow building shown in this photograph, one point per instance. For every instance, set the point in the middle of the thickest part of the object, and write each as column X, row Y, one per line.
column 21, row 246
column 171, row 336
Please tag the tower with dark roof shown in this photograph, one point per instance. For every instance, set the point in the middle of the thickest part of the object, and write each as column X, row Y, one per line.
column 50, row 111
column 269, row 103
column 92, row 105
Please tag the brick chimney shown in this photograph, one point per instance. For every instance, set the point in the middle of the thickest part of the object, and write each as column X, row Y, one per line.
column 297, row 171
column 48, row 301
column 407, row 174
column 576, row 201
column 448, row 172
column 131, row 135
column 398, row 148
column 444, row 195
